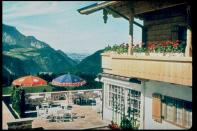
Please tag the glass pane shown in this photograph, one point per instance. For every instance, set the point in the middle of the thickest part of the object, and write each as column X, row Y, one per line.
column 179, row 116
column 170, row 113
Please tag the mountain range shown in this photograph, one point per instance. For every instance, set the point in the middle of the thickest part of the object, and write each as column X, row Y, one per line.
column 78, row 57
column 23, row 55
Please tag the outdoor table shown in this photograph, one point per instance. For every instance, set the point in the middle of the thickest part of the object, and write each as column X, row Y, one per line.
column 36, row 97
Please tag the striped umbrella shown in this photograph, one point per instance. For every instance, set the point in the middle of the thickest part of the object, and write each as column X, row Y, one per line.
column 68, row 80
column 29, row 81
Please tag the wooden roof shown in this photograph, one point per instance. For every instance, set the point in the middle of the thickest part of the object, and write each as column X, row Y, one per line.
column 137, row 7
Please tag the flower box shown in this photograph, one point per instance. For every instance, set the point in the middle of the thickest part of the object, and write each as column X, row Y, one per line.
column 179, row 54
column 111, row 52
column 124, row 54
column 139, row 54
column 174, row 54
column 156, row 54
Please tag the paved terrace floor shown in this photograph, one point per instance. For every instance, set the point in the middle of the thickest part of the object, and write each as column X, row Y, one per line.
column 6, row 115
column 92, row 119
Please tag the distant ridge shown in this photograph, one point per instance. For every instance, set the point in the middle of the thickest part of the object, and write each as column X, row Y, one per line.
column 91, row 64
column 26, row 55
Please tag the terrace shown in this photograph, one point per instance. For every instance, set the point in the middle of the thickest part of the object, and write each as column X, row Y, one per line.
column 92, row 120
column 83, row 116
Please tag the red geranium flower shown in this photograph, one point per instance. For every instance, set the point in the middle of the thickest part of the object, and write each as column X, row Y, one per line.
column 151, row 46
column 175, row 44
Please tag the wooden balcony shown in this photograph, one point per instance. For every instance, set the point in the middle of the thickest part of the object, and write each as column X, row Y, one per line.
column 177, row 70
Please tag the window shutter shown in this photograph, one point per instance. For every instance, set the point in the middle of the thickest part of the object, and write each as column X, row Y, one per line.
column 156, row 107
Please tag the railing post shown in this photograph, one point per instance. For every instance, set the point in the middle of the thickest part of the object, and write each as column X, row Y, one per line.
column 131, row 20
column 188, row 49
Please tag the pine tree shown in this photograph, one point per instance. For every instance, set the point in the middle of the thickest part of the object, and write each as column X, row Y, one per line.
column 22, row 102
column 18, row 101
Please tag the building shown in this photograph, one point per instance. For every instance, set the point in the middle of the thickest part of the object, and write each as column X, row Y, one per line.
column 156, row 90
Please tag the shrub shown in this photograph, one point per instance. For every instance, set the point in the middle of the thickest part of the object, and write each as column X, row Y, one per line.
column 126, row 123
column 18, row 101
column 120, row 49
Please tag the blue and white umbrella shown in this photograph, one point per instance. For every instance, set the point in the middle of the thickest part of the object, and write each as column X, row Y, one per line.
column 68, row 80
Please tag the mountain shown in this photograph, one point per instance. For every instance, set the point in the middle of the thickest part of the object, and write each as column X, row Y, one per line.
column 92, row 64
column 26, row 55
column 78, row 57
column 12, row 37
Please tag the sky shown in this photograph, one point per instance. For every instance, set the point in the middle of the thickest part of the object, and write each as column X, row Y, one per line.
column 59, row 24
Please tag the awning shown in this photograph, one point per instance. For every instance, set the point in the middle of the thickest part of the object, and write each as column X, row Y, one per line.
column 124, row 8
column 107, row 5
column 95, row 7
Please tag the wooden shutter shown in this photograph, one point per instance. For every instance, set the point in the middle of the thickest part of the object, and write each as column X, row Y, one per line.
column 156, row 107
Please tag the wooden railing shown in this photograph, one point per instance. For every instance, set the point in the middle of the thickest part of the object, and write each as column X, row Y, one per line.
column 177, row 70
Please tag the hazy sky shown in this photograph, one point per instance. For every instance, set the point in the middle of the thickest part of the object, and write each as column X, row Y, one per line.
column 59, row 24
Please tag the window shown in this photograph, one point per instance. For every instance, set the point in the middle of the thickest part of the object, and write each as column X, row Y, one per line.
column 133, row 103
column 188, row 114
column 182, row 33
column 177, row 111
column 179, row 33
column 170, row 103
column 117, row 100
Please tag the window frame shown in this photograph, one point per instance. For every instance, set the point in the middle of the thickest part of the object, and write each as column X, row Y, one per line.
column 183, row 103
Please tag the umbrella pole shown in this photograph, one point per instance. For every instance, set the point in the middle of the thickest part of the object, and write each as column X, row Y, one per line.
column 68, row 97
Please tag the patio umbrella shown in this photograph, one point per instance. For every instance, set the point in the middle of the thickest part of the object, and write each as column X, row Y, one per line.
column 29, row 81
column 68, row 80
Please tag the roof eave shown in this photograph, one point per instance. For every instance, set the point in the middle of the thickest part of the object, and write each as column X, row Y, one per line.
column 95, row 7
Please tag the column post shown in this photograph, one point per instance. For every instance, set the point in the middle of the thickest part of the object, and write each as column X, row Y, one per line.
column 131, row 20
column 188, row 49
column 104, row 98
column 142, row 108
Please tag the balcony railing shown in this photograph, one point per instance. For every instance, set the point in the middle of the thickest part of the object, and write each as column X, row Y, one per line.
column 177, row 70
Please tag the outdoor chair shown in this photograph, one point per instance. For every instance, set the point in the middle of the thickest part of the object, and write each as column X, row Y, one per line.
column 58, row 118
column 74, row 115
column 60, row 115
column 53, row 119
column 83, row 116
column 67, row 117
column 50, row 118
column 41, row 113
column 69, row 107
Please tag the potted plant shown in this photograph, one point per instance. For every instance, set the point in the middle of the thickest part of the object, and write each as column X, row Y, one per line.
column 117, row 49
column 113, row 125
column 139, row 51
column 107, row 49
column 160, row 49
column 174, row 48
column 151, row 49
column 178, row 48
column 168, row 48
column 122, row 49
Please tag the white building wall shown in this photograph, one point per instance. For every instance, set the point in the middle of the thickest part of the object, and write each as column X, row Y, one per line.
column 167, row 89
column 107, row 112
